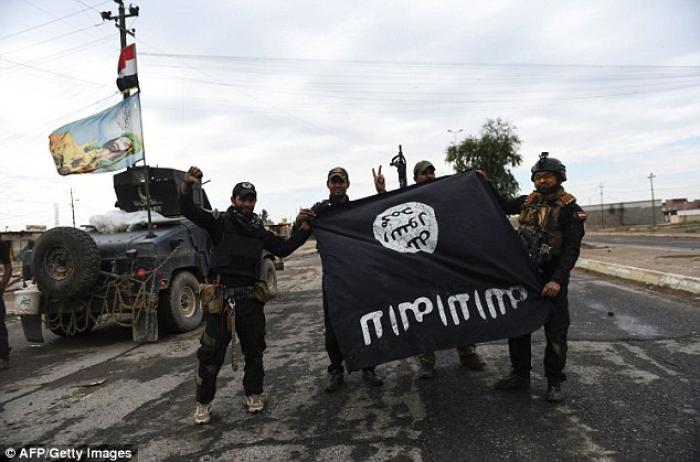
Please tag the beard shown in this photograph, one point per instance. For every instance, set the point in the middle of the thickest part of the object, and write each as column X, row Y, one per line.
column 546, row 189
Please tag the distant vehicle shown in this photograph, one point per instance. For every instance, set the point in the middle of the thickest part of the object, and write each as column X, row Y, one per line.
column 148, row 281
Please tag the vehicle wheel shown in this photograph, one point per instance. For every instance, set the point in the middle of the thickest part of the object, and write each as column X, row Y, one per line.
column 66, row 262
column 180, row 309
column 269, row 274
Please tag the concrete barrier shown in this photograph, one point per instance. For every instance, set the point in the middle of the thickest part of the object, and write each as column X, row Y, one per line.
column 645, row 276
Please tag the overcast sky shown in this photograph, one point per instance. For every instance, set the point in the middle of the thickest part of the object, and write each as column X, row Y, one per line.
column 277, row 93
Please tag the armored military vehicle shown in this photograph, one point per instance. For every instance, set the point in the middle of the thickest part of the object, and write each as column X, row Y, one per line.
column 146, row 278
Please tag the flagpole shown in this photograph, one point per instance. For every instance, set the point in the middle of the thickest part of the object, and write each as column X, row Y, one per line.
column 120, row 22
column 147, row 174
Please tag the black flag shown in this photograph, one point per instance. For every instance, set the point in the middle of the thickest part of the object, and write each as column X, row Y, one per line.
column 425, row 268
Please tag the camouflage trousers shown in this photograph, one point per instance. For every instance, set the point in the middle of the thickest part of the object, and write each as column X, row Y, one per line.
column 250, row 329
column 464, row 351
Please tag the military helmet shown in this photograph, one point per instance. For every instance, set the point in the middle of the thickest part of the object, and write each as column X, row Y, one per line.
column 549, row 164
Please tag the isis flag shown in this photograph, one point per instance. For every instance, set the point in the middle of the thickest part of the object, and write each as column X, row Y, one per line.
column 425, row 268
column 127, row 75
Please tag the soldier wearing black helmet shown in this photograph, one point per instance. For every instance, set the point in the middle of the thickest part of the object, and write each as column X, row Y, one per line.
column 551, row 229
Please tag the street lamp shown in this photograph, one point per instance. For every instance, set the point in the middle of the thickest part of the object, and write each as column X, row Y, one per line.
column 454, row 133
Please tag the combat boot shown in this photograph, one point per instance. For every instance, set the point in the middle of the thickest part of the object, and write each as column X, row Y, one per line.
column 473, row 362
column 202, row 413
column 254, row 403
column 335, row 381
column 554, row 393
column 369, row 376
column 513, row 382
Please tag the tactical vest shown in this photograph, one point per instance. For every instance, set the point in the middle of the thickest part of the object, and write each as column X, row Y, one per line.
column 237, row 254
column 536, row 216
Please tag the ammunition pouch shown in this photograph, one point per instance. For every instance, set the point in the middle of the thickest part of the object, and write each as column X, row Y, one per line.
column 262, row 292
column 212, row 298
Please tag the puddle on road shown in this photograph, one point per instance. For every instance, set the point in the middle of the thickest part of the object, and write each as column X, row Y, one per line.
column 627, row 323
column 635, row 326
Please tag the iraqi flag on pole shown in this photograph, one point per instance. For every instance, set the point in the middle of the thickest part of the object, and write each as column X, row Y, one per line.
column 425, row 268
column 126, row 69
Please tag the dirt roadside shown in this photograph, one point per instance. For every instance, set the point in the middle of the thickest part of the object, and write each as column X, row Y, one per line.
column 683, row 262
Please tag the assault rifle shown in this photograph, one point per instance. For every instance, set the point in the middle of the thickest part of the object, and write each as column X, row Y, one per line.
column 536, row 244
column 399, row 161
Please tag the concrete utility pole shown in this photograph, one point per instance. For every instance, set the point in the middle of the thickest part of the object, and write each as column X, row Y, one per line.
column 55, row 214
column 120, row 23
column 653, row 206
column 602, row 215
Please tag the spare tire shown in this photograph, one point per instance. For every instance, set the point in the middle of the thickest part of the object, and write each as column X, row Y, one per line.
column 66, row 262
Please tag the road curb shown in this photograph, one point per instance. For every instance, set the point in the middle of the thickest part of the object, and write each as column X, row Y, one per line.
column 645, row 276
column 669, row 235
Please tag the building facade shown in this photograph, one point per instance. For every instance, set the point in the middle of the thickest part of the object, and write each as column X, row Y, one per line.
column 624, row 214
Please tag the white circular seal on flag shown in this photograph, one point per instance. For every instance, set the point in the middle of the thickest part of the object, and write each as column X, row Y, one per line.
column 407, row 228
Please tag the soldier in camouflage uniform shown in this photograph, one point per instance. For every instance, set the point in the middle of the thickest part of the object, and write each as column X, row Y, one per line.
column 551, row 228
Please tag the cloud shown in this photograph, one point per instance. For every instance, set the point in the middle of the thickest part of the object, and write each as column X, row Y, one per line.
column 277, row 93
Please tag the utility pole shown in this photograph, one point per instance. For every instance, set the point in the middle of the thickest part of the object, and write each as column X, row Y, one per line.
column 653, row 206
column 72, row 205
column 55, row 214
column 120, row 23
column 602, row 215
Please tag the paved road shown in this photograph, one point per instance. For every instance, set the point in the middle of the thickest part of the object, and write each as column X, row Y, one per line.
column 633, row 381
column 659, row 242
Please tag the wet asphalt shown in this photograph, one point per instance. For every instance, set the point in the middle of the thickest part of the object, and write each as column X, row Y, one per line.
column 632, row 392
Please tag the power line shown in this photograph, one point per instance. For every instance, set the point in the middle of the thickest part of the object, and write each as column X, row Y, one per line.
column 13, row 34
column 389, row 76
column 404, row 101
column 256, row 99
column 14, row 138
column 88, row 6
column 18, row 65
column 424, row 63
column 414, row 86
column 53, row 38
column 47, row 71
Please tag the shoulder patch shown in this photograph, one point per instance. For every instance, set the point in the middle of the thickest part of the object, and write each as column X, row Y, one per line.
column 581, row 215
column 532, row 198
column 567, row 198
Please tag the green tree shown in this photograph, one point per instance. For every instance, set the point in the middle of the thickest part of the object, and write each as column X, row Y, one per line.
column 494, row 152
